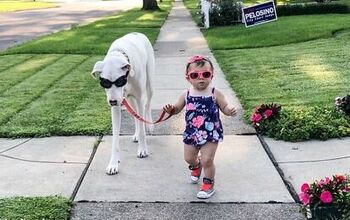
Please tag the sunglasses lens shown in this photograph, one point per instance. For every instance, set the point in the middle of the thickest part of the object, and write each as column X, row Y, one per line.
column 121, row 81
column 194, row 75
column 206, row 75
column 105, row 83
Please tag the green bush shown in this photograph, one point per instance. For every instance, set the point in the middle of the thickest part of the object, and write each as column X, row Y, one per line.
column 308, row 9
column 224, row 12
column 311, row 123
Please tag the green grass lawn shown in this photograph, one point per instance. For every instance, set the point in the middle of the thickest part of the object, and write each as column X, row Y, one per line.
column 46, row 89
column 16, row 5
column 300, row 62
column 53, row 207
column 286, row 30
column 299, row 75
column 45, row 85
column 297, row 60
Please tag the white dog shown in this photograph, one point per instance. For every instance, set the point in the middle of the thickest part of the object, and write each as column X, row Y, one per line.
column 126, row 71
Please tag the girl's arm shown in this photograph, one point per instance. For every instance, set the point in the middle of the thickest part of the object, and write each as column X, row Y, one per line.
column 224, row 106
column 177, row 107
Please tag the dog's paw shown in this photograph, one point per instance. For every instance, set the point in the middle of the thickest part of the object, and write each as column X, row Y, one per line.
column 135, row 138
column 142, row 153
column 112, row 169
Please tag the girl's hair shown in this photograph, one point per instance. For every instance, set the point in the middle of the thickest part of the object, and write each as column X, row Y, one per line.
column 199, row 61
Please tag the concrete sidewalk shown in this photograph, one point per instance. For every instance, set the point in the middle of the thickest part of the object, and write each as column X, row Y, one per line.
column 248, row 184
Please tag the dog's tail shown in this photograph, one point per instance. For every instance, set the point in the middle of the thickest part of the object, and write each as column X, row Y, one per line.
column 150, row 68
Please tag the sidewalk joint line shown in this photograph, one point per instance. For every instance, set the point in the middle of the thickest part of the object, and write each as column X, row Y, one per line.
column 82, row 176
column 40, row 161
column 288, row 185
column 17, row 145
column 190, row 202
column 315, row 161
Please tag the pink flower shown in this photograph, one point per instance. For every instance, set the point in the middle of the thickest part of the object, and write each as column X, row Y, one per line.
column 268, row 113
column 346, row 189
column 326, row 197
column 324, row 182
column 340, row 178
column 305, row 198
column 327, row 180
column 256, row 118
column 305, row 187
column 198, row 121
column 190, row 106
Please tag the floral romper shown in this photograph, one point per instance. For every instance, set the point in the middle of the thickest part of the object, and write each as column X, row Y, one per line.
column 203, row 123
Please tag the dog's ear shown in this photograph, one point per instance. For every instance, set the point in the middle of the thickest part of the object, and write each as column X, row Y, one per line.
column 97, row 69
column 131, row 71
column 128, row 68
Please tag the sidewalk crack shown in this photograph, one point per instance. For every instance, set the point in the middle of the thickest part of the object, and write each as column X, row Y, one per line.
column 17, row 145
column 286, row 182
column 82, row 176
column 315, row 161
column 40, row 161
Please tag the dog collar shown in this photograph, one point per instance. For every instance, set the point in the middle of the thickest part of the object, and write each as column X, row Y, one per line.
column 126, row 56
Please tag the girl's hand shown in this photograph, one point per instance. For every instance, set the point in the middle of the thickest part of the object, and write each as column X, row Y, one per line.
column 169, row 108
column 230, row 110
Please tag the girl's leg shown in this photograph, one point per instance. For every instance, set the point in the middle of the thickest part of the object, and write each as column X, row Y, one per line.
column 207, row 159
column 191, row 155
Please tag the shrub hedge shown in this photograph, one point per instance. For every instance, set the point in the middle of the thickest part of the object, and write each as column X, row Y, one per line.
column 224, row 12
column 309, row 9
column 310, row 123
column 228, row 12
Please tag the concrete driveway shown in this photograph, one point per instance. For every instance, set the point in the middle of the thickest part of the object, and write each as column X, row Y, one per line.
column 21, row 26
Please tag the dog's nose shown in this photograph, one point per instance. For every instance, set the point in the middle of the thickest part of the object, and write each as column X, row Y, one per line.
column 113, row 102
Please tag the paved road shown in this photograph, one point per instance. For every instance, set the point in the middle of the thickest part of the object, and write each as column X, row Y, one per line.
column 16, row 28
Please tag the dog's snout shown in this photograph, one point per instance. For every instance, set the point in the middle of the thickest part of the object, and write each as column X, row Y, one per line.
column 113, row 102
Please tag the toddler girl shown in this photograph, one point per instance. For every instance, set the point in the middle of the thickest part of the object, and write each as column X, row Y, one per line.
column 203, row 125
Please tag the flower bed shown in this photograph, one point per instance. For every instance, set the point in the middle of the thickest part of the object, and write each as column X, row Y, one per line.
column 327, row 198
column 263, row 114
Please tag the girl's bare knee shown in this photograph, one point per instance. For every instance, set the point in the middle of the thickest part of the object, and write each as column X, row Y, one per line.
column 190, row 159
column 207, row 162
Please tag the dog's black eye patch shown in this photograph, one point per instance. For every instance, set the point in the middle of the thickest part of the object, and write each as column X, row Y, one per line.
column 120, row 82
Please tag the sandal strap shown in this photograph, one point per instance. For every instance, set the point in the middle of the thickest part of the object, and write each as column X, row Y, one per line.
column 191, row 167
column 207, row 180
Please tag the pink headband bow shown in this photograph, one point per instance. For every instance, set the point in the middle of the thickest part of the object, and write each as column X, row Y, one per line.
column 195, row 59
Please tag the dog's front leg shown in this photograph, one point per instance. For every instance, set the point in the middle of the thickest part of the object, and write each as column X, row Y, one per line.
column 142, row 150
column 113, row 165
column 133, row 103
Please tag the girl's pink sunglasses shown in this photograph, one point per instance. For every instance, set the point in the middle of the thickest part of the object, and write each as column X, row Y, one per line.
column 203, row 75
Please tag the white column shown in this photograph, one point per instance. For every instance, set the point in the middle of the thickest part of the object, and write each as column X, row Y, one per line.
column 205, row 10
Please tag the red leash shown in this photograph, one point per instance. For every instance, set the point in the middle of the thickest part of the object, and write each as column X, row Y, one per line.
column 133, row 113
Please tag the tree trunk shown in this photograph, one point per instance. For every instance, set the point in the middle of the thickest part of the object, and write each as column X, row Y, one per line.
column 150, row 5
